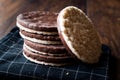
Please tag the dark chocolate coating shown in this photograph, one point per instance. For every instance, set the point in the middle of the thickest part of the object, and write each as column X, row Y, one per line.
column 40, row 36
column 49, row 59
column 52, row 49
column 39, row 20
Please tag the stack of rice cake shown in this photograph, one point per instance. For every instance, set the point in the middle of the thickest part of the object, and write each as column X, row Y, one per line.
column 41, row 40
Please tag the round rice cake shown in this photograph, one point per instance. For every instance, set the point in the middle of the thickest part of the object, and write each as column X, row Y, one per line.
column 40, row 36
column 39, row 22
column 54, row 49
column 78, row 35
column 47, row 60
column 33, row 39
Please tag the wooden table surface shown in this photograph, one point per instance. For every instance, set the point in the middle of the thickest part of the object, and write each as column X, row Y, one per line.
column 105, row 15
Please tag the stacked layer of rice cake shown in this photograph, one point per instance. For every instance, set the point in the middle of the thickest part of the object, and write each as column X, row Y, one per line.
column 41, row 40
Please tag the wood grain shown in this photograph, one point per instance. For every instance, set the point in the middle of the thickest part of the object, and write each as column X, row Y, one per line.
column 106, row 18
column 104, row 14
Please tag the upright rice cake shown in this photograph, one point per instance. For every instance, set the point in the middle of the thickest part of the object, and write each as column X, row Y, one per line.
column 78, row 34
